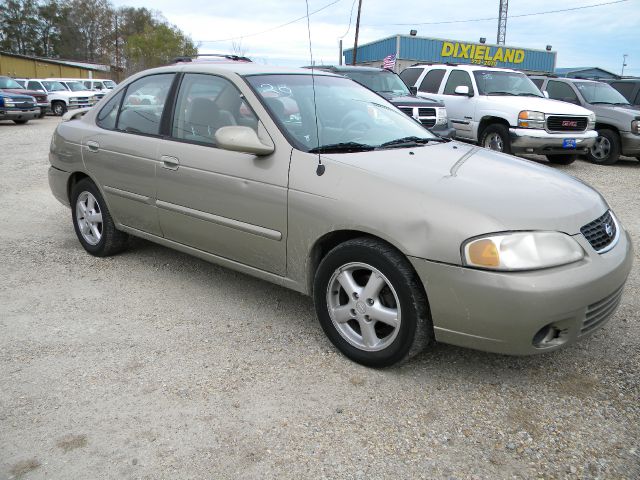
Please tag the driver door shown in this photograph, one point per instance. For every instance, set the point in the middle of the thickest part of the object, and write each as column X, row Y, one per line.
column 460, row 108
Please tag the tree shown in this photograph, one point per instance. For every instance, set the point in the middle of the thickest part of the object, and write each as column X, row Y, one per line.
column 157, row 45
column 18, row 24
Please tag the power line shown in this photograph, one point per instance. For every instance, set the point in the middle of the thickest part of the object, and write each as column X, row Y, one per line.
column 273, row 28
column 495, row 18
column 350, row 17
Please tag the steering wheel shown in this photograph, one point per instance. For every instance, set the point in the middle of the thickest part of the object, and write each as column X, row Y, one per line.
column 355, row 123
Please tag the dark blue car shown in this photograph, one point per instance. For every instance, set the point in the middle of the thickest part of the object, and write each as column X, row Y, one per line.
column 19, row 108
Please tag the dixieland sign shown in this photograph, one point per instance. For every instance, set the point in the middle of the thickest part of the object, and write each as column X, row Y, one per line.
column 482, row 54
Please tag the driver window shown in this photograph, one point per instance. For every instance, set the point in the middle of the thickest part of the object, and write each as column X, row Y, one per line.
column 561, row 91
column 206, row 103
column 457, row 78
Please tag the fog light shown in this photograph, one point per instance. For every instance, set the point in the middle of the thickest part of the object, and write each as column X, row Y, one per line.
column 549, row 336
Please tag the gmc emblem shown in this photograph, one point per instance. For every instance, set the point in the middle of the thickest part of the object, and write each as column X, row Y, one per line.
column 569, row 123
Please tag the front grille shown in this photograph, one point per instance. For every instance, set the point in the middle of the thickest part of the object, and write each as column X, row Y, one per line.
column 566, row 124
column 601, row 233
column 427, row 112
column 407, row 110
column 428, row 122
column 598, row 313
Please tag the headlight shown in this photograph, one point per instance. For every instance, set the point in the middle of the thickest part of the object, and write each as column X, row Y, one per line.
column 529, row 119
column 9, row 103
column 635, row 127
column 591, row 123
column 521, row 251
column 441, row 116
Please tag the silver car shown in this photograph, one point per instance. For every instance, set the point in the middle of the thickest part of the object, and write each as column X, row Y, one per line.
column 317, row 184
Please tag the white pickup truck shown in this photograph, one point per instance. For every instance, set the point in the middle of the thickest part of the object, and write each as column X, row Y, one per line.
column 62, row 99
column 503, row 110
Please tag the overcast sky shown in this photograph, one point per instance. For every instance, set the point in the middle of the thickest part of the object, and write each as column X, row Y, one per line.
column 596, row 36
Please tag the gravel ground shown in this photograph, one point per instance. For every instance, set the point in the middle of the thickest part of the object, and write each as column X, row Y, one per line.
column 153, row 364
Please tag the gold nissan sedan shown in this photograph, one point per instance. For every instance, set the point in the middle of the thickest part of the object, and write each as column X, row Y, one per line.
column 313, row 182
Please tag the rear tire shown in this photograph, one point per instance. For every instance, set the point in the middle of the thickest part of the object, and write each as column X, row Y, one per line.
column 93, row 223
column 562, row 159
column 20, row 122
column 43, row 112
column 371, row 304
column 496, row 137
column 58, row 108
column 606, row 150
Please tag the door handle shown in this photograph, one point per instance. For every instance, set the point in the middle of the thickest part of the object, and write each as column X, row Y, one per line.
column 93, row 146
column 169, row 162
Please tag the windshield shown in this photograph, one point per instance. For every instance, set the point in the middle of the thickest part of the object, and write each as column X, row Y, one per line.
column 10, row 83
column 76, row 86
column 379, row 81
column 54, row 86
column 491, row 82
column 348, row 115
column 109, row 84
column 597, row 92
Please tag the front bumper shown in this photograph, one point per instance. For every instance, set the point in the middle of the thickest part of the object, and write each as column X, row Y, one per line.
column 630, row 143
column 444, row 131
column 10, row 114
column 502, row 312
column 538, row 141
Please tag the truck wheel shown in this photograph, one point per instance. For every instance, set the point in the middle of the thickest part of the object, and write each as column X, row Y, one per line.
column 20, row 122
column 370, row 303
column 606, row 150
column 496, row 137
column 562, row 159
column 58, row 108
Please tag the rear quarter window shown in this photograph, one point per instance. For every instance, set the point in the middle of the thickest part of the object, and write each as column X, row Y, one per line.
column 410, row 76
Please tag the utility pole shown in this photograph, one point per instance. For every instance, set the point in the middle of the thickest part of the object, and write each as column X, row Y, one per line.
column 355, row 43
column 340, row 53
column 502, row 22
column 624, row 63
column 117, row 50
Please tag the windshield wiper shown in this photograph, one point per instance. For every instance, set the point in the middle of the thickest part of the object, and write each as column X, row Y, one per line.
column 529, row 94
column 410, row 141
column 501, row 93
column 344, row 147
column 603, row 103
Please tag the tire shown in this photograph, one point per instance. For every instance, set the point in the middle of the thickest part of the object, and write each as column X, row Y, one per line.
column 397, row 296
column 20, row 122
column 496, row 137
column 562, row 159
column 42, row 113
column 98, row 237
column 606, row 150
column 58, row 108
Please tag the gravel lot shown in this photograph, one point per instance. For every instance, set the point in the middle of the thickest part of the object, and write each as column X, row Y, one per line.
column 153, row 364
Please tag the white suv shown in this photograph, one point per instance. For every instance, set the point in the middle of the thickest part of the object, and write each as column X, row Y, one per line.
column 62, row 99
column 503, row 110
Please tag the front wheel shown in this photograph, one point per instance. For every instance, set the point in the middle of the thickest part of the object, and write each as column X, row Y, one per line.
column 496, row 137
column 93, row 223
column 562, row 159
column 606, row 150
column 58, row 108
column 370, row 303
column 20, row 122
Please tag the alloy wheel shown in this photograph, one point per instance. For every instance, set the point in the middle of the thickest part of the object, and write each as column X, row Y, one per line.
column 494, row 141
column 89, row 218
column 363, row 306
column 601, row 149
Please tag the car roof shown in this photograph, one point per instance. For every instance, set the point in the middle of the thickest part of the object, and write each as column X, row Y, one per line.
column 239, row 68
column 464, row 66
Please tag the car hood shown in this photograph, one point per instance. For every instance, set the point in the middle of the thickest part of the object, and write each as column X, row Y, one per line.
column 477, row 191
column 616, row 112
column 536, row 104
column 411, row 101
column 31, row 93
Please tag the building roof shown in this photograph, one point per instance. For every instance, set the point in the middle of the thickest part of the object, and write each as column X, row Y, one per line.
column 71, row 63
column 566, row 70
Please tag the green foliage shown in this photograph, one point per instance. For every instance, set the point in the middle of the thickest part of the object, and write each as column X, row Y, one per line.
column 91, row 31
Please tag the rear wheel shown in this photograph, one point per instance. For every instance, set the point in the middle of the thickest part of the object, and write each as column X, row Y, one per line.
column 58, row 108
column 370, row 303
column 562, row 159
column 43, row 112
column 606, row 150
column 93, row 223
column 20, row 122
column 496, row 137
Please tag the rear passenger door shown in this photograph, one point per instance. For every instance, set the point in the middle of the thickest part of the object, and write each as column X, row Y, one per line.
column 230, row 204
column 121, row 151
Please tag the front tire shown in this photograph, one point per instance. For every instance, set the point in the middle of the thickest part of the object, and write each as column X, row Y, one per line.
column 20, row 122
column 371, row 304
column 496, row 137
column 58, row 108
column 606, row 150
column 562, row 159
column 93, row 223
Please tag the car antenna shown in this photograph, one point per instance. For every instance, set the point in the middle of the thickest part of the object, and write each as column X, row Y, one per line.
column 320, row 169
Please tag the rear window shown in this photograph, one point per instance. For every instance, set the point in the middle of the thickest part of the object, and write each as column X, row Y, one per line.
column 625, row 88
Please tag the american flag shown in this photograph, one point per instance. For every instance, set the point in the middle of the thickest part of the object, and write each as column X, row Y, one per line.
column 389, row 62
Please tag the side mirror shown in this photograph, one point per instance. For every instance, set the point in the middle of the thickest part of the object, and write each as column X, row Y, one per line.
column 545, row 93
column 242, row 139
column 413, row 90
column 462, row 90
